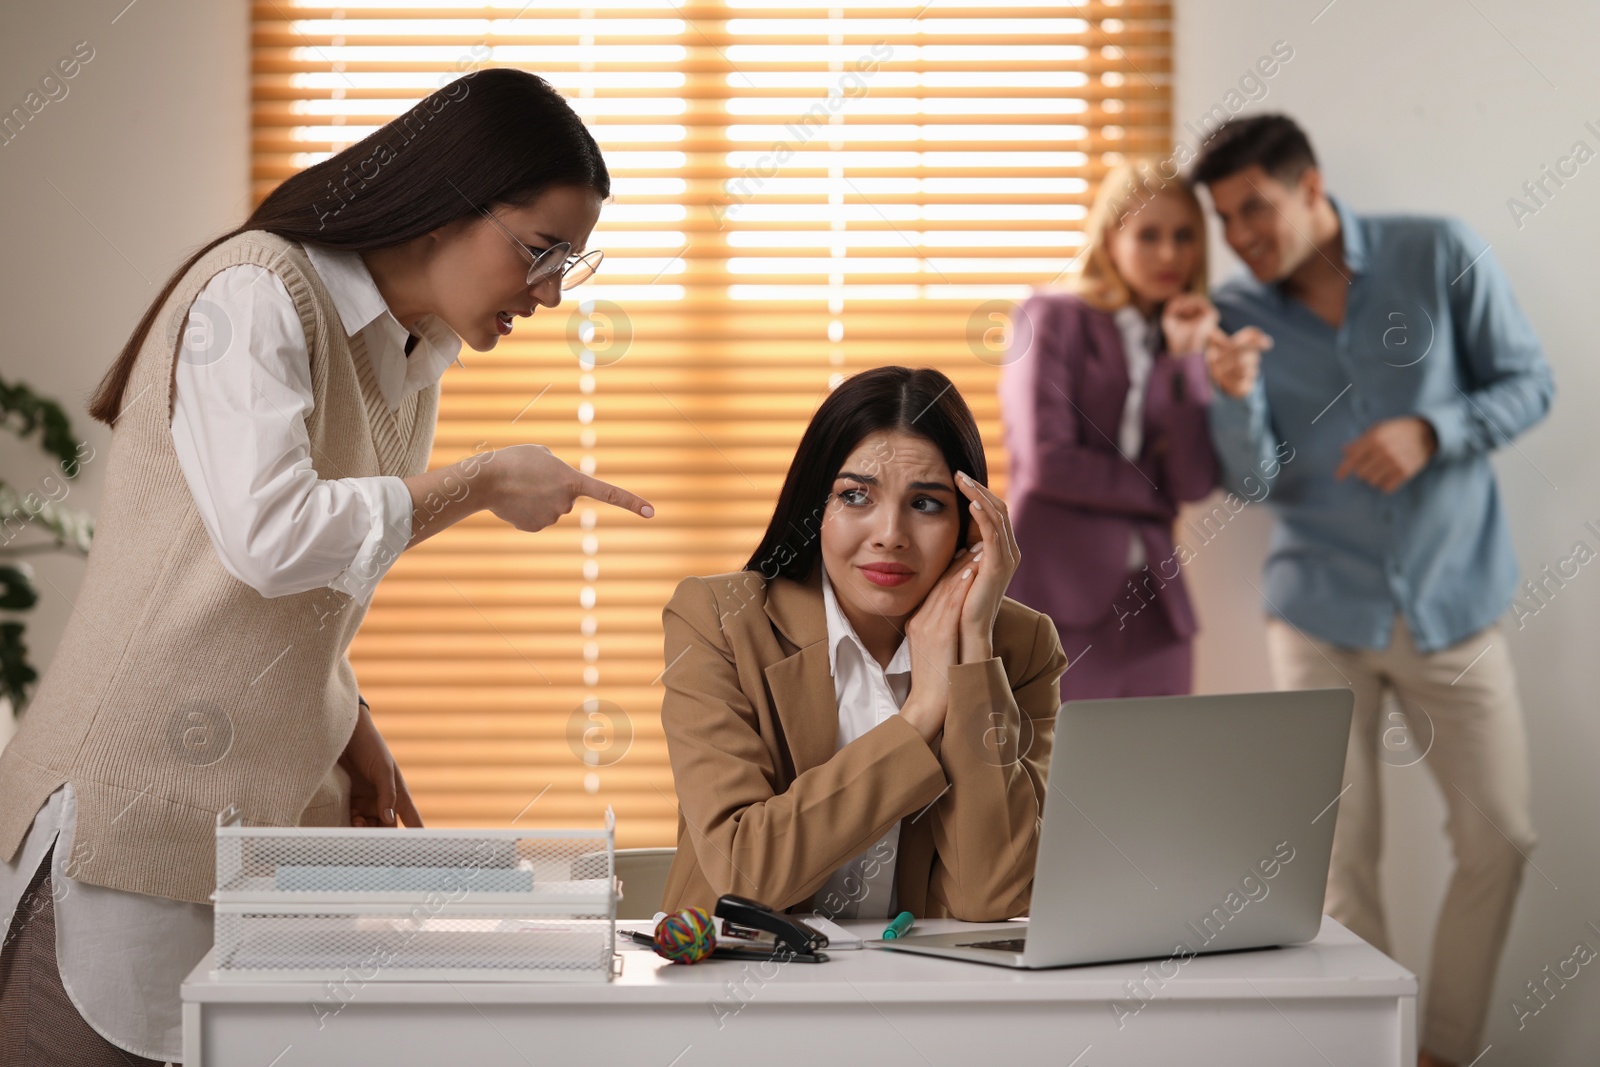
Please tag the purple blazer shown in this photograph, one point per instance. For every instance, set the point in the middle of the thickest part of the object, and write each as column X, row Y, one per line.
column 1074, row 498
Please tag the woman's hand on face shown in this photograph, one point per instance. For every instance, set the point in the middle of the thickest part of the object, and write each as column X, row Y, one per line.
column 1187, row 322
column 531, row 488
column 994, row 557
column 377, row 788
column 934, row 633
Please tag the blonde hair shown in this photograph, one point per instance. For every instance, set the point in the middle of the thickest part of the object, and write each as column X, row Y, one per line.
column 1127, row 188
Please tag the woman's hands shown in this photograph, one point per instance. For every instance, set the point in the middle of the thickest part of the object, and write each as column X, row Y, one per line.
column 955, row 623
column 377, row 787
column 526, row 485
column 1187, row 322
column 995, row 557
column 531, row 488
column 933, row 632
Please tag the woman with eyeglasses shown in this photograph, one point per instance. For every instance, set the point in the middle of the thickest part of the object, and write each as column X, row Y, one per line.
column 273, row 419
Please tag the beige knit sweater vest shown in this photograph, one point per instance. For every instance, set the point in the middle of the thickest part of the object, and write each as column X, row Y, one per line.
column 178, row 690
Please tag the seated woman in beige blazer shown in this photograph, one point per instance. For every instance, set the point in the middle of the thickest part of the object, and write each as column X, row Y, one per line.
column 860, row 721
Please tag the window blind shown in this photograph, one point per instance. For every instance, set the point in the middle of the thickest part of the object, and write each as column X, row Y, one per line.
column 801, row 191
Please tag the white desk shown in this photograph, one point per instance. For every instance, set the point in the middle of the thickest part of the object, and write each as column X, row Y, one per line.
column 1334, row 1001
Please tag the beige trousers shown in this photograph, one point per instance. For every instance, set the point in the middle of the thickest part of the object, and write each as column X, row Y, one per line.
column 1465, row 723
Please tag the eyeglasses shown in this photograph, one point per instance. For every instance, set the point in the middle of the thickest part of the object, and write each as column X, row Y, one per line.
column 557, row 259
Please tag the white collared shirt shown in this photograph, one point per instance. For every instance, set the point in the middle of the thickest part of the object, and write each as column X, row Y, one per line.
column 239, row 429
column 1138, row 346
column 866, row 694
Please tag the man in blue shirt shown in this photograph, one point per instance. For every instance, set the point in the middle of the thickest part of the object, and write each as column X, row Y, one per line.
column 1387, row 356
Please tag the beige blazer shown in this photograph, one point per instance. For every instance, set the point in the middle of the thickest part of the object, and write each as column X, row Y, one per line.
column 769, row 810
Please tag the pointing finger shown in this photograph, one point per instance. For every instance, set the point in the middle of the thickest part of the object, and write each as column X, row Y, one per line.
column 1251, row 337
column 615, row 495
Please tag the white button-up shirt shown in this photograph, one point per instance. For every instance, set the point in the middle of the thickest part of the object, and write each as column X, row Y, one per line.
column 866, row 694
column 1139, row 338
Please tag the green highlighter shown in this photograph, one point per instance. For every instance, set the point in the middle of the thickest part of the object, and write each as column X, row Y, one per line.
column 898, row 926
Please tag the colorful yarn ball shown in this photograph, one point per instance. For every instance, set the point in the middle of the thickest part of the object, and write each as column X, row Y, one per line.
column 687, row 936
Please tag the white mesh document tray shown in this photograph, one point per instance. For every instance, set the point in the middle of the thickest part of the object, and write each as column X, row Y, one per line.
column 400, row 904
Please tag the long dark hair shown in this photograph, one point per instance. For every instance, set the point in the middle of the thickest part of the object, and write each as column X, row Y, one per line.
column 917, row 401
column 493, row 136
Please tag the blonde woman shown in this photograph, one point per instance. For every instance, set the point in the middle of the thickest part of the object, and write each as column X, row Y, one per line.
column 1104, row 398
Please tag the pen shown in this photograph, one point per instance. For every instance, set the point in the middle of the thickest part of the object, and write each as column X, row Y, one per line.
column 899, row 926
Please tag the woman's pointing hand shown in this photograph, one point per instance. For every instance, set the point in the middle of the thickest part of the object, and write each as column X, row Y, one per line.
column 526, row 485
column 530, row 487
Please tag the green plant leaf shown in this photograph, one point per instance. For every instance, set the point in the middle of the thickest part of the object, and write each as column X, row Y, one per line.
column 16, row 589
column 16, row 674
column 22, row 411
column 70, row 528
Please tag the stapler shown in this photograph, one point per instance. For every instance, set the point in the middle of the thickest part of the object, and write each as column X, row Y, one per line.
column 748, row 920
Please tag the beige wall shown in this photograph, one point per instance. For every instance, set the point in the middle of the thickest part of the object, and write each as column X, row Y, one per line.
column 103, row 193
column 1427, row 107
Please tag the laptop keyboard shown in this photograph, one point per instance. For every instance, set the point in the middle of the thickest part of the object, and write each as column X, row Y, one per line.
column 1004, row 944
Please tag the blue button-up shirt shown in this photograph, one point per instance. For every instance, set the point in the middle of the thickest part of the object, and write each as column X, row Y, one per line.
column 1430, row 329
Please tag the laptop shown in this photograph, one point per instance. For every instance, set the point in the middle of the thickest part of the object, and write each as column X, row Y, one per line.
column 1176, row 826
